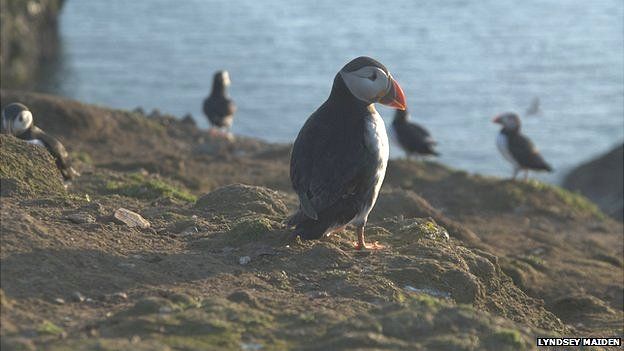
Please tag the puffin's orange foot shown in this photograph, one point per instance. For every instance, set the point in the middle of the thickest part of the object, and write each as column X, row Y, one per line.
column 374, row 246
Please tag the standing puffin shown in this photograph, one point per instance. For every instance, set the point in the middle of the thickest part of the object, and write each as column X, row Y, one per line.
column 413, row 138
column 17, row 120
column 218, row 106
column 339, row 158
column 517, row 148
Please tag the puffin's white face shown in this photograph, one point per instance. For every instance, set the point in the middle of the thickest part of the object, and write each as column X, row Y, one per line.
column 225, row 78
column 18, row 124
column 509, row 121
column 368, row 83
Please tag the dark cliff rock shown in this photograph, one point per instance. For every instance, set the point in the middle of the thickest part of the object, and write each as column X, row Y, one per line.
column 601, row 180
column 29, row 38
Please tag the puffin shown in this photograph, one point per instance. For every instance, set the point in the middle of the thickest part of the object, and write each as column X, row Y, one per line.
column 17, row 120
column 534, row 108
column 517, row 148
column 413, row 138
column 218, row 106
column 339, row 158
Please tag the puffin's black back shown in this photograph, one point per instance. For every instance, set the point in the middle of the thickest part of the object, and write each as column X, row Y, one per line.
column 524, row 152
column 412, row 137
column 333, row 136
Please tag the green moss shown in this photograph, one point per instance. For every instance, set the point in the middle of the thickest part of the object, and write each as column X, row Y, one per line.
column 142, row 187
column 427, row 300
column 250, row 229
column 505, row 339
column 49, row 328
column 573, row 201
column 82, row 157
column 534, row 261
column 27, row 169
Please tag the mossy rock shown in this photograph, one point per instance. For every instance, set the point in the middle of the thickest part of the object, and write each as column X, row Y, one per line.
column 147, row 187
column 27, row 170
column 238, row 200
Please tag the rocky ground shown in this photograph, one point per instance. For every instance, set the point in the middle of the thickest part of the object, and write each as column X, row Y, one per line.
column 474, row 263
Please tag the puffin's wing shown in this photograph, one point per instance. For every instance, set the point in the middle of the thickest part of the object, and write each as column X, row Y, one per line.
column 326, row 167
column 55, row 148
column 230, row 107
column 417, row 138
column 420, row 133
column 525, row 152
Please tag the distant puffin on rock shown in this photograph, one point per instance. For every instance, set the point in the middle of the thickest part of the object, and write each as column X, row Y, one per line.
column 17, row 120
column 517, row 148
column 218, row 106
column 413, row 138
column 339, row 158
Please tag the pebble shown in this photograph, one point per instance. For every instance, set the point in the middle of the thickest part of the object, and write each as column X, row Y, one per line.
column 120, row 296
column 428, row 291
column 317, row 294
column 165, row 310
column 59, row 301
column 131, row 219
column 76, row 296
column 243, row 260
column 250, row 346
column 81, row 218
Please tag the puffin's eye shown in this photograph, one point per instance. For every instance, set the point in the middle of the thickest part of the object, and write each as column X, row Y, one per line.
column 373, row 76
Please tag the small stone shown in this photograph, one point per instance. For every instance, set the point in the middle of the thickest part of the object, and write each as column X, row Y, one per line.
column 243, row 260
column 251, row 346
column 165, row 310
column 59, row 301
column 189, row 231
column 120, row 296
column 76, row 296
column 317, row 294
column 81, row 218
column 131, row 219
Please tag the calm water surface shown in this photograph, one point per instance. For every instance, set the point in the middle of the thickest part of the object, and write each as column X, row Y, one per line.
column 459, row 62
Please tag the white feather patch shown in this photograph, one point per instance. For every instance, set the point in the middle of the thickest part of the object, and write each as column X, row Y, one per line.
column 503, row 146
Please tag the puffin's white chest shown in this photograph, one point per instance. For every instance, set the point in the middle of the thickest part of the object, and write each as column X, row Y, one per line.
column 376, row 138
column 36, row 142
column 503, row 146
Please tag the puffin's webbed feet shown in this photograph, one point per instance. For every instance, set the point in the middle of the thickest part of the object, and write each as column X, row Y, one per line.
column 362, row 245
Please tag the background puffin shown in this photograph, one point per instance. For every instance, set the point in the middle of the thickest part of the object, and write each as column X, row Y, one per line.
column 218, row 106
column 339, row 158
column 17, row 120
column 517, row 148
column 413, row 138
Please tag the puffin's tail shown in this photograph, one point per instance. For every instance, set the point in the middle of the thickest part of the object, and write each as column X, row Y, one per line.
column 305, row 227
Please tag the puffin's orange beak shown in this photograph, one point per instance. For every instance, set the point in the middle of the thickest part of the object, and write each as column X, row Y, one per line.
column 395, row 97
column 497, row 119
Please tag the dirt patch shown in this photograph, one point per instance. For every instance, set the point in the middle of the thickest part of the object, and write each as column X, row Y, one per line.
column 27, row 170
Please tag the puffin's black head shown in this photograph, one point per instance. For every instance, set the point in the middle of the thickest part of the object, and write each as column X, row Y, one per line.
column 370, row 81
column 16, row 119
column 509, row 120
column 401, row 115
column 220, row 80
